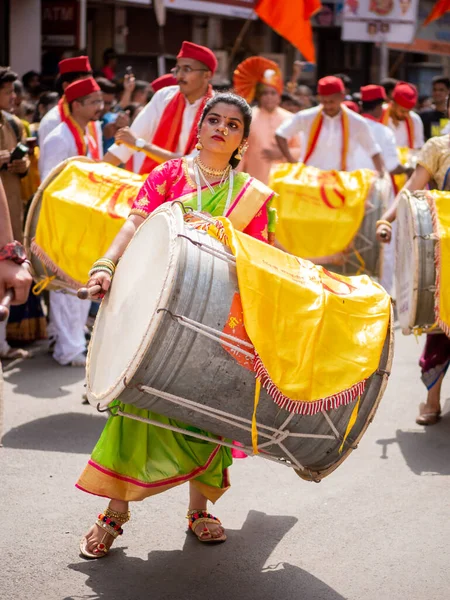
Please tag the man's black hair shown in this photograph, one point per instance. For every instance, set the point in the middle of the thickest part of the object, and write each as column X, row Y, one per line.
column 441, row 79
column 371, row 105
column 28, row 76
column 106, row 86
column 7, row 76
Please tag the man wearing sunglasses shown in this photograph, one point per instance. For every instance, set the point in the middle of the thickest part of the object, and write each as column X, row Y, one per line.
column 167, row 127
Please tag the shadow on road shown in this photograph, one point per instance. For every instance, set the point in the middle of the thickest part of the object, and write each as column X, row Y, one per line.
column 232, row 571
column 41, row 376
column 426, row 450
column 68, row 432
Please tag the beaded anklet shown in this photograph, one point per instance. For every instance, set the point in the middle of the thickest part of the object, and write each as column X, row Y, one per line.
column 109, row 525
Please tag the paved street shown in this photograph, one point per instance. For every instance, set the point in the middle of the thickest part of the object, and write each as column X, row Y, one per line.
column 376, row 529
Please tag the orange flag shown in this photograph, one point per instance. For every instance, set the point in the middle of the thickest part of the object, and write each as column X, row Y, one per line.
column 291, row 19
column 439, row 9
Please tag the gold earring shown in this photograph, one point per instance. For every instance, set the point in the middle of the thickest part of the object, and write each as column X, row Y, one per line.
column 239, row 154
column 199, row 145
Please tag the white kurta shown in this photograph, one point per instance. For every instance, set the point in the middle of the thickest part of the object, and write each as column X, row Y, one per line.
column 401, row 132
column 148, row 120
column 60, row 145
column 49, row 123
column 68, row 314
column 327, row 153
column 385, row 139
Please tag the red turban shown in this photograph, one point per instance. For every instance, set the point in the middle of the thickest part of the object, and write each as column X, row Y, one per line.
column 163, row 81
column 328, row 86
column 256, row 70
column 373, row 92
column 351, row 105
column 200, row 53
column 81, row 88
column 405, row 95
column 79, row 64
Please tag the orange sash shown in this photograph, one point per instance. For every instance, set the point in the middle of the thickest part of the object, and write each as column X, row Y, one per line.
column 168, row 131
column 409, row 124
column 93, row 145
column 314, row 134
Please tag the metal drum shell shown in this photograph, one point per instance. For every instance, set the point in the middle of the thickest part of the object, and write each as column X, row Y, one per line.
column 365, row 240
column 187, row 364
column 415, row 271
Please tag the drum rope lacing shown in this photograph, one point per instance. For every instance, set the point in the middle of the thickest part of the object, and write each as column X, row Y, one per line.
column 277, row 436
column 270, row 435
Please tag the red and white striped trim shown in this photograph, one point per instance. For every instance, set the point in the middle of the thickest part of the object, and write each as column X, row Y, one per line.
column 301, row 407
column 437, row 261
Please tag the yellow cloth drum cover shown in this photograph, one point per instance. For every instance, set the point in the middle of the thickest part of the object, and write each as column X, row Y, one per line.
column 82, row 210
column 339, row 323
column 319, row 212
column 439, row 203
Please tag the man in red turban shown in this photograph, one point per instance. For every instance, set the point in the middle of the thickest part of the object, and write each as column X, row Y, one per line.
column 79, row 134
column 331, row 132
column 400, row 117
column 167, row 127
column 259, row 79
column 70, row 70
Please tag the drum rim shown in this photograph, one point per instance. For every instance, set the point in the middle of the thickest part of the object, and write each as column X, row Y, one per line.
column 116, row 388
column 317, row 476
column 410, row 205
column 27, row 239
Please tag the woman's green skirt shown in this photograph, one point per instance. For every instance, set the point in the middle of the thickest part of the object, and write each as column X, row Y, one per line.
column 133, row 460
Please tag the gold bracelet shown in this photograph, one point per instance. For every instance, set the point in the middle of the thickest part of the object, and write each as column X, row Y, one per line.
column 384, row 222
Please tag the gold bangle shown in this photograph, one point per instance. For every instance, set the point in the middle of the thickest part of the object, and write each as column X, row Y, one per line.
column 384, row 222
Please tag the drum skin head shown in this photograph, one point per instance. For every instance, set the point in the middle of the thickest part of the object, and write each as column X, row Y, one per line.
column 406, row 261
column 127, row 320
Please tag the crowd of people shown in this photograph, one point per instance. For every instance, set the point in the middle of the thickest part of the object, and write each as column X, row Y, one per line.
column 207, row 138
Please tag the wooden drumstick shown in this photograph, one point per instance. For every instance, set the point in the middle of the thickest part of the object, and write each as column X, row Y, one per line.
column 87, row 293
column 5, row 304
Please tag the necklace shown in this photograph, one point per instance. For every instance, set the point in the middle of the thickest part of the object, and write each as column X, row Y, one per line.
column 230, row 179
column 211, row 172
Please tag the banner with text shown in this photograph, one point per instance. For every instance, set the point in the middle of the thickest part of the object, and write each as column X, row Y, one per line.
column 380, row 20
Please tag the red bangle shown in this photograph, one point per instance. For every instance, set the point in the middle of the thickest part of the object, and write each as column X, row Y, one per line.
column 13, row 251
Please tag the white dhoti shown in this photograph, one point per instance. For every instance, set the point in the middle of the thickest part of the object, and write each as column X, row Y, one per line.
column 68, row 315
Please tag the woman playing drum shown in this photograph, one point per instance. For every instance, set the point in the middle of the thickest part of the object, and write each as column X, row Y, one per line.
column 132, row 459
column 433, row 168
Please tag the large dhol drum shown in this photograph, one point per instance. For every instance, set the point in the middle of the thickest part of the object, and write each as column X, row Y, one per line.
column 415, row 272
column 158, row 344
column 93, row 196
column 365, row 255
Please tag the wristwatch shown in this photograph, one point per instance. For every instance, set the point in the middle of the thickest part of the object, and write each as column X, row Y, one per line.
column 140, row 143
column 14, row 251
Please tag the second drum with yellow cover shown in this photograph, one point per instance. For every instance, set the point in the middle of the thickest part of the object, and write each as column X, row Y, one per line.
column 327, row 214
column 75, row 214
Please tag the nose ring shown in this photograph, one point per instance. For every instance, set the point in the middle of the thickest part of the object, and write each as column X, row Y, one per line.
column 225, row 131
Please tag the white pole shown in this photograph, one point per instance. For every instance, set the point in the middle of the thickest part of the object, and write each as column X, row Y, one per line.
column 384, row 61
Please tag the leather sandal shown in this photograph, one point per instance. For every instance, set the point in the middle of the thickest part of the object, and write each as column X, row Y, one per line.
column 111, row 521
column 201, row 518
column 427, row 418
